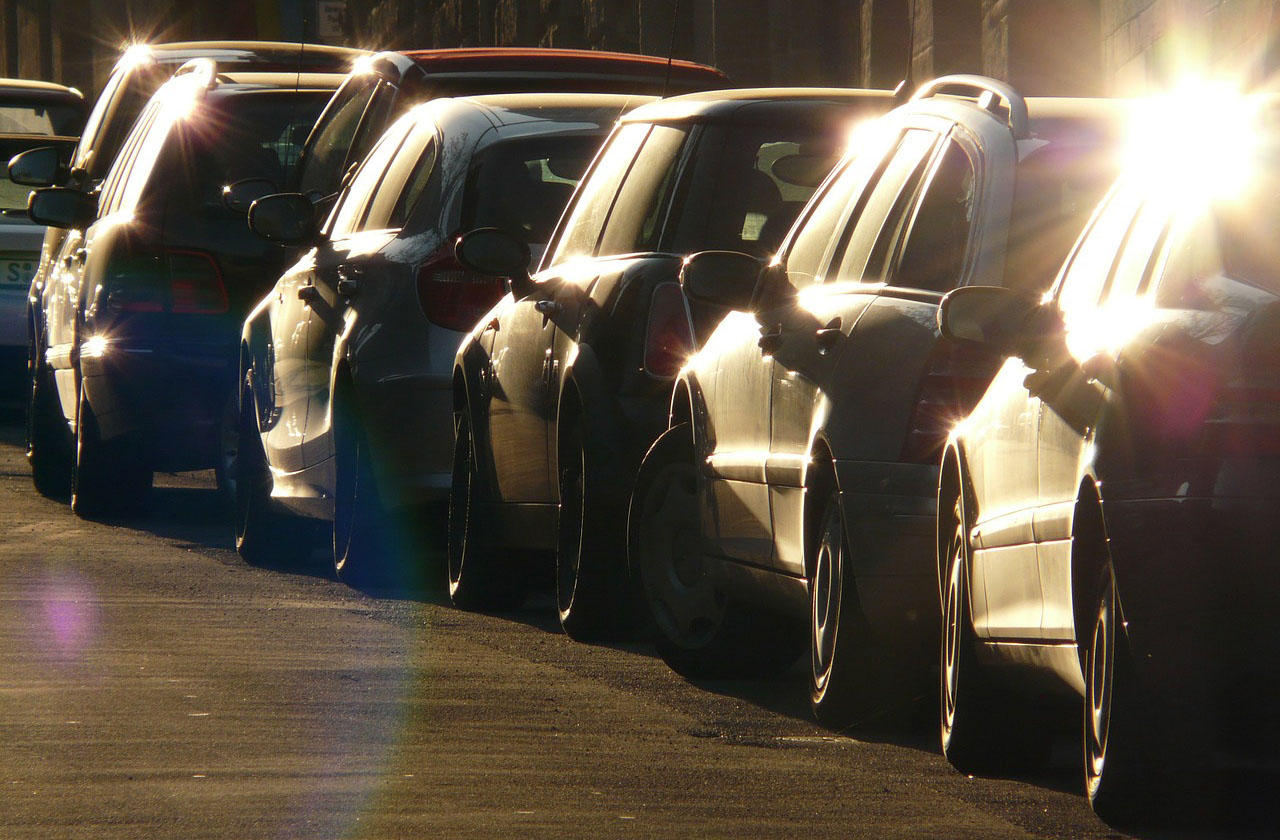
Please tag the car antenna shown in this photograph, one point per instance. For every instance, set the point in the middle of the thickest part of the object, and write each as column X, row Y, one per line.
column 903, row 90
column 302, row 45
column 671, row 47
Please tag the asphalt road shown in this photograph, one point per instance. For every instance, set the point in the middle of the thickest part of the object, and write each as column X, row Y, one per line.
column 154, row 685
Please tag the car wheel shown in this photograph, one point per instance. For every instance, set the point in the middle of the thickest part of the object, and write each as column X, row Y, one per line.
column 983, row 730
column 846, row 664
column 49, row 446
column 590, row 579
column 263, row 536
column 480, row 578
column 362, row 544
column 107, row 477
column 700, row 630
column 1119, row 776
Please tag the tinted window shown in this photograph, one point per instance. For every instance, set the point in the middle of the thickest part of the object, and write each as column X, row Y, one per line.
column 348, row 214
column 933, row 255
column 522, row 186
column 414, row 162
column 332, row 136
column 635, row 223
column 893, row 191
column 1092, row 262
column 129, row 99
column 113, row 185
column 740, row 195
column 249, row 135
column 581, row 230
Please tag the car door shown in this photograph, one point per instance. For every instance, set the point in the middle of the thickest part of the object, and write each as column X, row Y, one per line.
column 522, row 401
column 357, row 232
column 812, row 359
column 1099, row 301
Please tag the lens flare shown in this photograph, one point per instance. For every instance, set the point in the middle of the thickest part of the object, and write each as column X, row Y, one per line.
column 1197, row 143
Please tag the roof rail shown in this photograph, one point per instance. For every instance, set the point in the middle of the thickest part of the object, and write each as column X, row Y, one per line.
column 989, row 93
column 204, row 69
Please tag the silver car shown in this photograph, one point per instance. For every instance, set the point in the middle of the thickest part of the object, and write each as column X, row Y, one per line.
column 346, row 402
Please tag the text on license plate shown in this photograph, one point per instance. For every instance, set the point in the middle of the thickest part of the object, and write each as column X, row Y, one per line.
column 17, row 272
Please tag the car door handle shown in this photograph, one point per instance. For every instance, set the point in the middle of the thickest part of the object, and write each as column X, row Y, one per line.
column 79, row 255
column 828, row 335
column 348, row 284
column 548, row 307
column 308, row 293
column 770, row 341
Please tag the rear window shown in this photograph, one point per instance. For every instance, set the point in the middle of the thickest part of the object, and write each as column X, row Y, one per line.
column 40, row 118
column 254, row 135
column 522, row 186
column 747, row 185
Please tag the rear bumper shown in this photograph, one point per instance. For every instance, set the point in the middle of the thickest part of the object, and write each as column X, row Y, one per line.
column 173, row 401
column 890, row 511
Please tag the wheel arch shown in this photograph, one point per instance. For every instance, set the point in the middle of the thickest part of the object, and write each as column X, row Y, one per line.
column 820, row 478
column 1090, row 554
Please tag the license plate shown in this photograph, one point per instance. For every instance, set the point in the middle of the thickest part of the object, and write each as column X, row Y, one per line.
column 18, row 271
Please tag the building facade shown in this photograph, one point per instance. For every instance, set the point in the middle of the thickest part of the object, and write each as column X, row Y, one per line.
column 1065, row 47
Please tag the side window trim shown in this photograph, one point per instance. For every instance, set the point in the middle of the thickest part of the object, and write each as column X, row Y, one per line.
column 679, row 185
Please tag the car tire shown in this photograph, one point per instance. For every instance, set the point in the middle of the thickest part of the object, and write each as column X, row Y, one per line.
column 591, row 583
column 225, row 468
column 848, row 665
column 363, row 542
column 700, row 630
column 50, row 449
column 263, row 535
column 107, row 477
column 480, row 577
column 983, row 728
column 1121, row 778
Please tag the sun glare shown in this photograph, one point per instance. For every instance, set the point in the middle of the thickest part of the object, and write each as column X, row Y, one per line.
column 1196, row 143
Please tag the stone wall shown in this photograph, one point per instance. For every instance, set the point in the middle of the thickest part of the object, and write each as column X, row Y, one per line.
column 1076, row 47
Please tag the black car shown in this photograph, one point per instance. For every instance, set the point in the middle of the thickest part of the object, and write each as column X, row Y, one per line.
column 562, row 387
column 141, row 326
column 141, row 69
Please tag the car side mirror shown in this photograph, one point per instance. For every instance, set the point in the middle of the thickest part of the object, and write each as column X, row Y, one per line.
column 40, row 167
column 287, row 218
column 239, row 196
column 495, row 253
column 725, row 279
column 999, row 319
column 59, row 207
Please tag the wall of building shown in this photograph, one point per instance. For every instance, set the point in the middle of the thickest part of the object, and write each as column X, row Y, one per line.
column 1074, row 47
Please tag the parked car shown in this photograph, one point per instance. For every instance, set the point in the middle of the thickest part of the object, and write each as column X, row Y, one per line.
column 560, row 389
column 346, row 366
column 139, row 348
column 139, row 72
column 793, row 495
column 1107, row 513
column 31, row 114
column 384, row 86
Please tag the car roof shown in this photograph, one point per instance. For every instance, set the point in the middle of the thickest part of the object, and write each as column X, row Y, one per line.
column 514, row 108
column 758, row 102
column 28, row 89
column 274, row 55
column 575, row 61
column 238, row 82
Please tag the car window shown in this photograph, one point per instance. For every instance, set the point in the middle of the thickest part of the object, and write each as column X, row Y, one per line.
column 734, row 199
column 634, row 223
column 522, row 186
column 386, row 195
column 933, row 253
column 233, row 138
column 130, row 99
column 411, row 180
column 580, row 232
column 1092, row 263
column 893, row 191
column 326, row 152
column 349, row 213
column 43, row 118
column 94, row 123
column 113, row 184
column 1137, row 258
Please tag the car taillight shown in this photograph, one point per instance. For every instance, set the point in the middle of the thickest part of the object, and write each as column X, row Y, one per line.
column 195, row 284
column 954, row 380
column 668, row 338
column 452, row 297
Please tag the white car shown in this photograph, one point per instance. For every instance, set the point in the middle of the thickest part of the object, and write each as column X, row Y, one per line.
column 32, row 114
